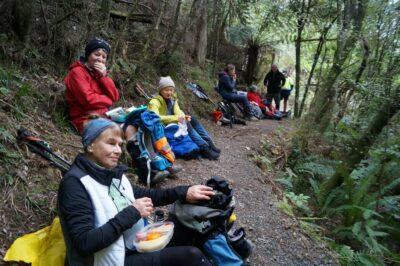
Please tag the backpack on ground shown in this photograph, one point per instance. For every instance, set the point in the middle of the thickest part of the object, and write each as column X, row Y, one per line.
column 181, row 143
column 213, row 219
column 229, row 116
column 143, row 150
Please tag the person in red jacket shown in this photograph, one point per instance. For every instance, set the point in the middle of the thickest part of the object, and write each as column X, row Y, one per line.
column 254, row 96
column 89, row 89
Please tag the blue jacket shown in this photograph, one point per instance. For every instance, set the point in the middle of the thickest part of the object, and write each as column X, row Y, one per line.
column 226, row 83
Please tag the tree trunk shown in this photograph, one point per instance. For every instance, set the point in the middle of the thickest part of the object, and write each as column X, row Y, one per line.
column 380, row 120
column 201, row 40
column 105, row 11
column 172, row 30
column 297, row 78
column 253, row 51
column 22, row 18
column 317, row 54
column 301, row 22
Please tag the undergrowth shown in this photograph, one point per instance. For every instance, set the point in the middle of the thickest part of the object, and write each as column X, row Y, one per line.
column 359, row 215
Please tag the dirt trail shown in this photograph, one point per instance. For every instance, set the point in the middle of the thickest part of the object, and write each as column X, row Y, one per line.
column 277, row 237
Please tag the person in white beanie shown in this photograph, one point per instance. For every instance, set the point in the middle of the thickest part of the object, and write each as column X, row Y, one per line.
column 165, row 104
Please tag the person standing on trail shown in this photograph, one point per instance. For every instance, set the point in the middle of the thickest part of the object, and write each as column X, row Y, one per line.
column 286, row 89
column 165, row 104
column 227, row 88
column 273, row 82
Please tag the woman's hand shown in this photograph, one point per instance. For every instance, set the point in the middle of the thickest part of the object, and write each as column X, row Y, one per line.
column 199, row 192
column 181, row 119
column 188, row 118
column 234, row 76
column 100, row 68
column 144, row 206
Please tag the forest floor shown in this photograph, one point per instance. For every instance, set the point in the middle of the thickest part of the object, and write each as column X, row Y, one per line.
column 277, row 237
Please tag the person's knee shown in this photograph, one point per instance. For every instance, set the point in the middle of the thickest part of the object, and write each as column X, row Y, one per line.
column 130, row 132
column 193, row 120
column 193, row 253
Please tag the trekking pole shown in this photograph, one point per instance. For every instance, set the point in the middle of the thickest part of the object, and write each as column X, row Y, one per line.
column 139, row 90
column 24, row 135
column 39, row 147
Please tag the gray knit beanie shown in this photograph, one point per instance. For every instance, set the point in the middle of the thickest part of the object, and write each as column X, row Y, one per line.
column 165, row 82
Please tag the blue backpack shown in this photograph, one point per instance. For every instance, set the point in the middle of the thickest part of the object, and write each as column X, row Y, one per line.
column 217, row 247
column 147, row 160
column 182, row 145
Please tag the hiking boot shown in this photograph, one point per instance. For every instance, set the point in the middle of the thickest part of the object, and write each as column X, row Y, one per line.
column 224, row 121
column 159, row 176
column 174, row 169
column 251, row 118
column 213, row 147
column 208, row 153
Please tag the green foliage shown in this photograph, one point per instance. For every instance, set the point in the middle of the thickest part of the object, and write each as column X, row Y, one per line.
column 195, row 74
column 285, row 206
column 61, row 119
column 8, row 157
column 349, row 257
column 170, row 65
column 9, row 78
column 362, row 201
column 300, row 202
column 263, row 162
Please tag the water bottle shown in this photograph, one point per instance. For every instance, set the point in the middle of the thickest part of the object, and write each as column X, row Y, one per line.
column 159, row 216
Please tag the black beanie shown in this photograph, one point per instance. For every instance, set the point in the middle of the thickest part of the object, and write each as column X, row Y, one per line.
column 95, row 44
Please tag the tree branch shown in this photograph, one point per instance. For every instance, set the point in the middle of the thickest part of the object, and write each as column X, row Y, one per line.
column 317, row 39
column 143, row 18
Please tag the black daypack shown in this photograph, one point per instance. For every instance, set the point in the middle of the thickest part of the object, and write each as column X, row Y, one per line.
column 211, row 220
column 228, row 114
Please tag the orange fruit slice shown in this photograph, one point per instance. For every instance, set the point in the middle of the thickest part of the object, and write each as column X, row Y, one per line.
column 153, row 235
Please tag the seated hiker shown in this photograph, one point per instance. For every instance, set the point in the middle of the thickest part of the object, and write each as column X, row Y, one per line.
column 227, row 88
column 89, row 90
column 254, row 96
column 101, row 211
column 165, row 104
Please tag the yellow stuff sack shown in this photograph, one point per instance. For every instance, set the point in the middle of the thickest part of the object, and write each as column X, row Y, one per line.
column 43, row 247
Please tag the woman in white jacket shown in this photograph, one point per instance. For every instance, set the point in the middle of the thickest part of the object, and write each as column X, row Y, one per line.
column 100, row 211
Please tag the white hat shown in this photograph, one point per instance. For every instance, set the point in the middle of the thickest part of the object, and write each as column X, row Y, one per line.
column 165, row 82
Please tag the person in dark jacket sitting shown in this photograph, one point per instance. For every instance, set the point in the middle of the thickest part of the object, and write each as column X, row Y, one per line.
column 227, row 88
column 101, row 212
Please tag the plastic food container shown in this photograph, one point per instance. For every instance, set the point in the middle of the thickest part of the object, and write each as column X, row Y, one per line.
column 154, row 237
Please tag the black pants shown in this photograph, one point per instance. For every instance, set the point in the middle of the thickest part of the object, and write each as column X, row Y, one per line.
column 276, row 96
column 169, row 256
